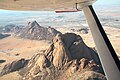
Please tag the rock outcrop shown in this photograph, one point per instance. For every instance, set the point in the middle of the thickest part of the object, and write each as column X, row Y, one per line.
column 34, row 31
column 66, row 56
column 14, row 66
column 2, row 61
column 83, row 30
column 87, row 75
column 4, row 35
column 11, row 28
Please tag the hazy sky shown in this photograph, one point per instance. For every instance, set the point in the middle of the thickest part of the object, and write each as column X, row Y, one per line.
column 7, row 16
column 107, row 2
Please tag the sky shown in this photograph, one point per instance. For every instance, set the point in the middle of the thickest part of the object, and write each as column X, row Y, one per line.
column 107, row 2
column 21, row 17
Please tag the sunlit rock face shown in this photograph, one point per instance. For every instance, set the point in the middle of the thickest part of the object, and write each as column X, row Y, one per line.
column 66, row 57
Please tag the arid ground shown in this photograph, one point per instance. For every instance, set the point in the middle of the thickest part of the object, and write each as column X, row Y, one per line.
column 12, row 48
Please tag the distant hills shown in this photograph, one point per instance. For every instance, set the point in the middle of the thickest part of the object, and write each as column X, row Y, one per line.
column 11, row 28
column 32, row 31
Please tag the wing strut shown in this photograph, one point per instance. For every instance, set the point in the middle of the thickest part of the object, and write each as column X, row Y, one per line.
column 107, row 55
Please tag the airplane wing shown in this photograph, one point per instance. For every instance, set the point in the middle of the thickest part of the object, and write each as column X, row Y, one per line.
column 48, row 5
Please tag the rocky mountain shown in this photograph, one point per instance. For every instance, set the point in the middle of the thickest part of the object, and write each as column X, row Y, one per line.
column 11, row 28
column 67, row 58
column 68, row 55
column 34, row 31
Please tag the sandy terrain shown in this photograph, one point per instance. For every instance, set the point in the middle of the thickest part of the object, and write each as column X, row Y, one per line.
column 11, row 46
column 11, row 76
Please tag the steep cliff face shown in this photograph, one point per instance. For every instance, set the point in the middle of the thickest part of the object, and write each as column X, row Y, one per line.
column 67, row 55
column 36, row 32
